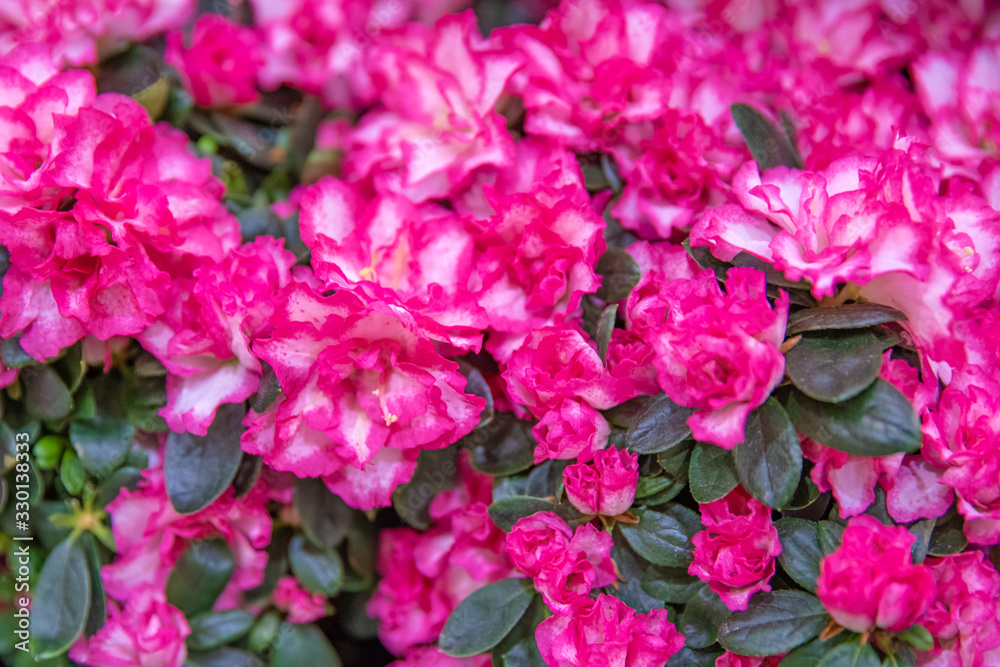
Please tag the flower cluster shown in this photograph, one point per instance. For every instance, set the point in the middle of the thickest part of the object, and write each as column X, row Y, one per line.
column 592, row 333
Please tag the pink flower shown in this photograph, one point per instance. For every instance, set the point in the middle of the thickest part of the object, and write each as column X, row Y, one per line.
column 605, row 632
column 430, row 656
column 965, row 617
column 425, row 575
column 729, row 659
column 557, row 363
column 364, row 390
column 570, row 430
column 301, row 605
column 719, row 352
column 871, row 582
column 436, row 124
column 151, row 537
column 607, row 487
column 147, row 632
column 204, row 336
column 220, row 66
column 735, row 555
column 660, row 264
column 564, row 564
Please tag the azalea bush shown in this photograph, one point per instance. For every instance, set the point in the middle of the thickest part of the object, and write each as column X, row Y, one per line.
column 591, row 333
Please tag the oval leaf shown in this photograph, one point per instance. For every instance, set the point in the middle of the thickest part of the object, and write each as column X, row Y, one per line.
column 605, row 326
column 774, row 623
column 318, row 571
column 198, row 468
column 435, row 472
column 210, row 631
column 619, row 274
column 851, row 655
column 701, row 619
column 325, row 517
column 711, row 473
column 102, row 443
column 45, row 394
column 663, row 538
column 800, row 550
column 661, row 425
column 877, row 422
column 61, row 600
column 505, row 446
column 672, row 585
column 836, row 366
column 769, row 146
column 485, row 617
column 769, row 463
column 303, row 644
column 508, row 511
column 847, row 316
column 200, row 575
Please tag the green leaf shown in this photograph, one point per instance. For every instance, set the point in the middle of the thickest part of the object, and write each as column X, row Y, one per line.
column 318, row 571
column 97, row 612
column 200, row 576
column 435, row 472
column 631, row 568
column 268, row 389
column 224, row 656
column 605, row 325
column 485, row 617
column 123, row 478
column 774, row 623
column 835, row 366
column 199, row 468
column 71, row 472
column 877, row 422
column 769, row 146
column 851, row 655
column 769, row 463
column 49, row 450
column 524, row 654
column 13, row 355
column 672, row 585
column 807, row 655
column 661, row 426
column 948, row 536
column 325, row 517
column 102, row 443
column 508, row 511
column 61, row 600
column 302, row 645
column 519, row 647
column 701, row 619
column 663, row 538
column 619, row 274
column 800, row 551
column 505, row 446
column 922, row 531
column 650, row 486
column 711, row 473
column 687, row 657
column 216, row 629
column 45, row 394
column 847, row 316
column 918, row 637
column 829, row 534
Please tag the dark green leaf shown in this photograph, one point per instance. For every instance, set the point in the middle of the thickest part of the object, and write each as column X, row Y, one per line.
column 485, row 617
column 61, row 600
column 830, row 534
column 505, row 446
column 847, row 316
column 200, row 575
column 806, row 494
column 45, row 394
column 851, row 655
column 303, row 645
column 216, row 629
column 619, row 274
column 123, row 478
column 71, row 472
column 834, row 366
column 774, row 623
column 325, row 517
column 507, row 511
column 769, row 146
column 519, row 647
column 711, row 473
column 267, row 390
column 435, row 472
column 687, row 657
column 631, row 568
column 807, row 655
column 701, row 618
column 524, row 654
column 12, row 355
column 922, row 531
column 800, row 551
column 663, row 538
column 317, row 570
column 225, row 656
column 97, row 612
column 102, row 443
column 948, row 536
column 247, row 474
column 546, row 479
column 199, row 468
column 650, row 486
column 477, row 385
column 605, row 325
column 624, row 414
column 877, row 422
column 769, row 463
column 661, row 426
column 673, row 585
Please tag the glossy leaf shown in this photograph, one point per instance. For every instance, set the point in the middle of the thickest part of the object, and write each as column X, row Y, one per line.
column 847, row 316
column 198, row 469
column 303, row 645
column 200, row 576
column 800, row 551
column 663, row 538
column 216, row 629
column 61, row 600
column 102, row 443
column 711, row 473
column 769, row 462
column 769, row 145
column 834, row 367
column 701, row 619
column 508, row 511
column 774, row 623
column 619, row 273
column 851, row 655
column 485, row 617
column 325, row 517
column 661, row 426
column 319, row 571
